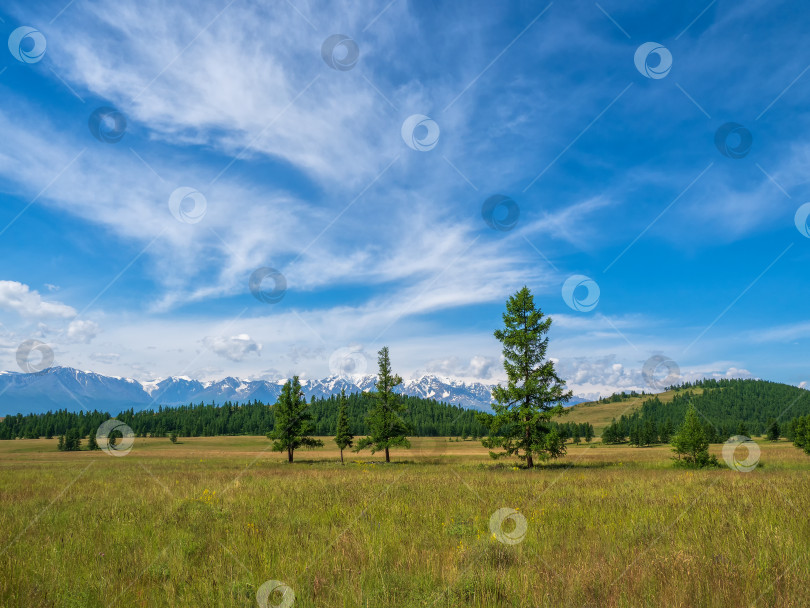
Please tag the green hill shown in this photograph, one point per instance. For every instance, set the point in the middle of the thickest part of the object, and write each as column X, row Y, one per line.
column 726, row 406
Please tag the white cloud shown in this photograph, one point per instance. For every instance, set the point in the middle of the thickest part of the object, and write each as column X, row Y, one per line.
column 235, row 348
column 28, row 303
column 82, row 331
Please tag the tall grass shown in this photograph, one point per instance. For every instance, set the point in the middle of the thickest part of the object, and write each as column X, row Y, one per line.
column 207, row 521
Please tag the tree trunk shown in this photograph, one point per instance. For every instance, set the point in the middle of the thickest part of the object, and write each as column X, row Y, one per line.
column 341, row 456
column 387, row 456
column 289, row 455
column 529, row 461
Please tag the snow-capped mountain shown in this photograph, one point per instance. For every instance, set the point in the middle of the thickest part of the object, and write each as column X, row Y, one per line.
column 75, row 390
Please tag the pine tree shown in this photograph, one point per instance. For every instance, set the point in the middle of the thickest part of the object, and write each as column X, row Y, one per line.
column 173, row 437
column 343, row 435
column 691, row 444
column 293, row 421
column 92, row 445
column 774, row 432
column 588, row 432
column 387, row 428
column 60, row 445
column 533, row 394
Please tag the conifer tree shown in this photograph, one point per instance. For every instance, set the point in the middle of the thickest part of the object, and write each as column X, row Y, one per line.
column 343, row 435
column 774, row 432
column 293, row 421
column 690, row 444
column 533, row 393
column 92, row 444
column 387, row 428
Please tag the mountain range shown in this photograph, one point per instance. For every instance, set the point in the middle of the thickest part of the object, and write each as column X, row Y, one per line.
column 76, row 390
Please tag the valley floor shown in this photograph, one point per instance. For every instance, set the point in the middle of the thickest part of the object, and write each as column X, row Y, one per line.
column 207, row 521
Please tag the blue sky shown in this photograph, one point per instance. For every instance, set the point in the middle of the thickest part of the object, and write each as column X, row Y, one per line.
column 303, row 168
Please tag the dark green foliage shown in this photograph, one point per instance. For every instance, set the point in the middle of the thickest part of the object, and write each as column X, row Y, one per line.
column 92, row 445
column 427, row 418
column 773, row 432
column 533, row 394
column 691, row 445
column 343, row 434
column 726, row 407
column 800, row 433
column 388, row 428
column 70, row 442
column 293, row 425
column 173, row 437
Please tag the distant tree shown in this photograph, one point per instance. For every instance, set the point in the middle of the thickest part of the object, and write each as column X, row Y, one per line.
column 588, row 432
column 577, row 438
column 534, row 394
column 173, row 437
column 665, row 431
column 387, row 428
column 343, row 435
column 293, row 421
column 742, row 429
column 92, row 444
column 70, row 441
column 690, row 444
column 774, row 432
column 801, row 433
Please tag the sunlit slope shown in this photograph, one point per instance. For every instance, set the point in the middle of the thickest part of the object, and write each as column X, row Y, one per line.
column 600, row 414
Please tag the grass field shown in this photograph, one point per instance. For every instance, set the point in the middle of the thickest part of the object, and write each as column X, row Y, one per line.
column 207, row 521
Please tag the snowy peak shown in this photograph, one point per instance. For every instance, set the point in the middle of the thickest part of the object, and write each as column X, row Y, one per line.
column 68, row 388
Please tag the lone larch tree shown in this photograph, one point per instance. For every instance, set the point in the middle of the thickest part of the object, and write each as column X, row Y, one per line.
column 533, row 394
column 343, row 435
column 293, row 421
column 387, row 428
